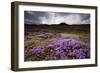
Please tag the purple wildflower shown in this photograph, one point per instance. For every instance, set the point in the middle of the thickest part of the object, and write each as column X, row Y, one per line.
column 38, row 51
column 78, row 54
column 59, row 53
column 64, row 47
column 72, row 43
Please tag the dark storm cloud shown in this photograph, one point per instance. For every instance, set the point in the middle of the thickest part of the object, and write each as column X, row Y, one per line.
column 36, row 17
column 31, row 17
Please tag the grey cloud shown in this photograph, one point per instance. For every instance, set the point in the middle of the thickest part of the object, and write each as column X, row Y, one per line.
column 36, row 17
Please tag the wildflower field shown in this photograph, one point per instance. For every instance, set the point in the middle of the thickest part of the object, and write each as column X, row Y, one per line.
column 56, row 42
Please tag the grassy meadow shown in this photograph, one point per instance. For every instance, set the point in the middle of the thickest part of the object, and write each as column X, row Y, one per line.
column 56, row 42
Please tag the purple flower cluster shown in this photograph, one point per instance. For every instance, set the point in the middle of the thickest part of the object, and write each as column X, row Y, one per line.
column 78, row 54
column 38, row 51
column 69, row 43
column 63, row 49
column 70, row 48
column 59, row 53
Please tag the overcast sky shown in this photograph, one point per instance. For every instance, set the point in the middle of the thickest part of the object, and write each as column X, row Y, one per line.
column 36, row 17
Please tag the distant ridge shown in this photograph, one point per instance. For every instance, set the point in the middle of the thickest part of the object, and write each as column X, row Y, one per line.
column 61, row 24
